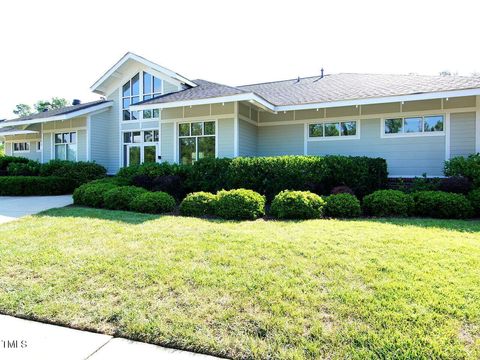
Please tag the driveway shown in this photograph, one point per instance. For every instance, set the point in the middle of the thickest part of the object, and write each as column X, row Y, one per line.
column 14, row 207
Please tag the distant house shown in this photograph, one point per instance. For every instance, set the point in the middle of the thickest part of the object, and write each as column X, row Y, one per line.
column 152, row 114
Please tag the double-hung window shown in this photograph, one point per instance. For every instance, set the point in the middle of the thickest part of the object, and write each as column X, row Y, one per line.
column 66, row 146
column 21, row 146
column 414, row 125
column 196, row 141
column 333, row 130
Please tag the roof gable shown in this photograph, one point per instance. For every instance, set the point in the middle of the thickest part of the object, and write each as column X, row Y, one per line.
column 117, row 72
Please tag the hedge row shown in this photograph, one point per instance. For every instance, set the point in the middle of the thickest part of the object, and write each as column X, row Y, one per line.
column 265, row 175
column 35, row 185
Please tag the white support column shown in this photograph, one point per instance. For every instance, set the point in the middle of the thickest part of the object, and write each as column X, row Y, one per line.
column 235, row 131
column 41, row 143
column 305, row 138
column 89, row 140
column 447, row 136
column 477, row 126
column 175, row 142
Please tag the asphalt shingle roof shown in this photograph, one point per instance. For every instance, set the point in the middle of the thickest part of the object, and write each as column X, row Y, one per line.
column 56, row 112
column 332, row 87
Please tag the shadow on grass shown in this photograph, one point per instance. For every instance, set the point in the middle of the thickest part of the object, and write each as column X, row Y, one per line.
column 134, row 218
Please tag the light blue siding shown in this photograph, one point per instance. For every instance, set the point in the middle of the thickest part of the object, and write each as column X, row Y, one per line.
column 105, row 137
column 280, row 140
column 81, row 145
column 405, row 156
column 166, row 142
column 247, row 145
column 225, row 138
column 47, row 147
column 462, row 134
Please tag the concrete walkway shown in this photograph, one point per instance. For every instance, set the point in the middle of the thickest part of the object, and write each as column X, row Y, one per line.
column 23, row 339
column 14, row 207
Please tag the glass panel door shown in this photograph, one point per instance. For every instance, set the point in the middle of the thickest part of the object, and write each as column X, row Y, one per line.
column 134, row 155
column 149, row 153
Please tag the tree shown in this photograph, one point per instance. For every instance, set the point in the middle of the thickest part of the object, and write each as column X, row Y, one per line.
column 22, row 110
column 54, row 103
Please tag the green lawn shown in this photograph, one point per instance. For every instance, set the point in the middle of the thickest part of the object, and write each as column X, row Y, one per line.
column 396, row 289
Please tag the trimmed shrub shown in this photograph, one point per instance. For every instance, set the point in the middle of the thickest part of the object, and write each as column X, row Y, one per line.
column 31, row 168
column 455, row 184
column 79, row 172
column 7, row 160
column 92, row 193
column 198, row 204
column 35, row 185
column 152, row 170
column 153, row 203
column 474, row 198
column 468, row 167
column 290, row 204
column 423, row 184
column 342, row 189
column 119, row 198
column 443, row 205
column 209, row 174
column 342, row 206
column 239, row 204
column 384, row 203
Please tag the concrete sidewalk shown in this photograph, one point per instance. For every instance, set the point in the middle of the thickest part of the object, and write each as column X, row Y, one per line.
column 25, row 339
column 14, row 207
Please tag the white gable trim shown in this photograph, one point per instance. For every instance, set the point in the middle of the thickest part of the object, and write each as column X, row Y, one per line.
column 87, row 111
column 131, row 56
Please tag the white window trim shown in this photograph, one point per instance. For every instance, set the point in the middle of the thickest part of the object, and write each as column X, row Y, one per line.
column 21, row 151
column 178, row 137
column 55, row 144
column 140, row 96
column 332, row 138
column 412, row 134
column 141, row 144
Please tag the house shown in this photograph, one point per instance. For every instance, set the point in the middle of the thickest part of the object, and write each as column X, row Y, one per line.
column 152, row 114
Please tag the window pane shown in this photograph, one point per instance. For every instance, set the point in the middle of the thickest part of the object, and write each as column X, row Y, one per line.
column 126, row 115
column 135, row 100
column 126, row 103
column 134, row 115
column 60, row 152
column 134, row 155
column 27, row 146
column 71, row 152
column 206, row 147
column 147, row 83
column 148, row 136
column 316, row 130
column 187, row 150
column 184, row 129
column 125, row 155
column 135, row 86
column 65, row 138
column 156, row 113
column 136, row 137
column 393, row 126
column 127, row 137
column 413, row 124
column 15, row 147
column 126, row 89
column 39, row 145
column 147, row 114
column 58, row 138
column 209, row 128
column 155, row 135
column 349, row 128
column 196, row 128
column 157, row 85
column 433, row 123
column 73, row 137
column 147, row 97
column 332, row 129
column 149, row 154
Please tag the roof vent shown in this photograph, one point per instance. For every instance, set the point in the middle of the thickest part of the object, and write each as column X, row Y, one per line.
column 45, row 109
column 76, row 102
column 321, row 73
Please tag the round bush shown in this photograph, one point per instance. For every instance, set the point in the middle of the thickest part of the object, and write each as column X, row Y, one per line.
column 153, row 203
column 342, row 206
column 290, row 204
column 92, row 193
column 474, row 197
column 198, row 204
column 443, row 205
column 388, row 203
column 455, row 184
column 120, row 197
column 239, row 204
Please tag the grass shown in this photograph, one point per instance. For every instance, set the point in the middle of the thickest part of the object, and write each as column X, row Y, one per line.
column 392, row 289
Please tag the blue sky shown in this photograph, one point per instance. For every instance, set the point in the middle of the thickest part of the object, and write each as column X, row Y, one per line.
column 59, row 48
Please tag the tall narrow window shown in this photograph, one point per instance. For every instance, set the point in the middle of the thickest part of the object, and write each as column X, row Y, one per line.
column 66, row 146
column 196, row 141
column 130, row 96
column 152, row 87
